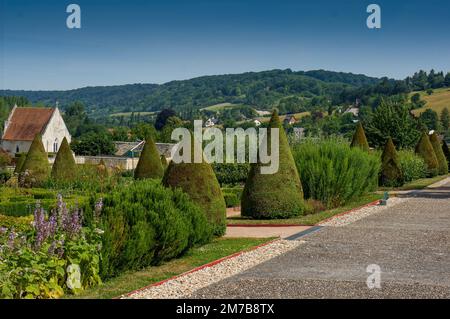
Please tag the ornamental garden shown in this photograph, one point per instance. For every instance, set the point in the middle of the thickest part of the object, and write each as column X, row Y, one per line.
column 67, row 227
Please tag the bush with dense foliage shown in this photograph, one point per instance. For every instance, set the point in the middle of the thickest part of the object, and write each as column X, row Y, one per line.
column 231, row 173
column 19, row 160
column 35, row 170
column 64, row 167
column 391, row 174
column 164, row 161
column 425, row 150
column 333, row 172
column 149, row 165
column 200, row 183
column 412, row 165
column 277, row 195
column 57, row 256
column 232, row 196
column 146, row 224
column 359, row 138
column 442, row 160
column 5, row 159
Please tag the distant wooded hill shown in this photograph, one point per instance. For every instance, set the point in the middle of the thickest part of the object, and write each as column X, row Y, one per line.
column 262, row 90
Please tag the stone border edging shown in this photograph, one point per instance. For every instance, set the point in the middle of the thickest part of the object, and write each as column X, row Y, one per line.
column 210, row 264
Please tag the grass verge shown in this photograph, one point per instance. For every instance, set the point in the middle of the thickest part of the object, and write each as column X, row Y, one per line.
column 417, row 184
column 196, row 257
column 308, row 219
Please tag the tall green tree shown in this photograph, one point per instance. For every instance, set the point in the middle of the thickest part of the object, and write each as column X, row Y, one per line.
column 35, row 168
column 149, row 164
column 445, row 119
column 431, row 119
column 437, row 147
column 359, row 138
column 64, row 167
column 425, row 150
column 391, row 172
column 278, row 195
column 392, row 120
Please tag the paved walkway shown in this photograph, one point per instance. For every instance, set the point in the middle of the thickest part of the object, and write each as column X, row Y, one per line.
column 409, row 241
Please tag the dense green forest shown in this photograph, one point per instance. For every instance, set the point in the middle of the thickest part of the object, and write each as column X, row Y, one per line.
column 262, row 90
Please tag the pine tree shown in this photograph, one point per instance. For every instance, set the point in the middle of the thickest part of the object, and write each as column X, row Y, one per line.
column 64, row 167
column 149, row 164
column 446, row 152
column 277, row 195
column 200, row 183
column 437, row 147
column 391, row 173
column 359, row 138
column 36, row 168
column 425, row 150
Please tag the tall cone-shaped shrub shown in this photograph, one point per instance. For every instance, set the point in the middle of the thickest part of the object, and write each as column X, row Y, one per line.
column 164, row 161
column 149, row 164
column 19, row 163
column 391, row 172
column 200, row 183
column 442, row 161
column 36, row 168
column 359, row 138
column 277, row 195
column 446, row 153
column 64, row 168
column 425, row 150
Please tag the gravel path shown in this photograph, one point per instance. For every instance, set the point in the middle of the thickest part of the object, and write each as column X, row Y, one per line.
column 409, row 241
column 185, row 285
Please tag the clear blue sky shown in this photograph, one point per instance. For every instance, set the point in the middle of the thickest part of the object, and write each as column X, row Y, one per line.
column 139, row 41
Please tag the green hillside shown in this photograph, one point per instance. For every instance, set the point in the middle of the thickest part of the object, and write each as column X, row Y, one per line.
column 436, row 101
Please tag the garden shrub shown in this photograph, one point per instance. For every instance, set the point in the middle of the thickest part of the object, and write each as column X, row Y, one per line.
column 146, row 224
column 333, row 172
column 359, row 138
column 149, row 164
column 231, row 200
column 35, row 170
column 5, row 159
column 412, row 165
column 19, row 159
column 391, row 174
column 425, row 150
column 442, row 160
column 20, row 224
column 446, row 152
column 64, row 167
column 231, row 173
column 200, row 183
column 164, row 161
column 5, row 175
column 277, row 195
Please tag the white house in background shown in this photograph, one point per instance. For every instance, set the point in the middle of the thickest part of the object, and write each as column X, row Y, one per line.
column 257, row 122
column 211, row 122
column 24, row 123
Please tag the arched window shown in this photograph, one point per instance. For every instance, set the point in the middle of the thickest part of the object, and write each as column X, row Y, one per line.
column 55, row 145
column 17, row 148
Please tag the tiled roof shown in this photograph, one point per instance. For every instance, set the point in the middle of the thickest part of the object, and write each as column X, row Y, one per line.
column 26, row 122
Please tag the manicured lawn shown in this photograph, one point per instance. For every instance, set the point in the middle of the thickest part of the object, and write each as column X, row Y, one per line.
column 196, row 257
column 308, row 219
column 418, row 184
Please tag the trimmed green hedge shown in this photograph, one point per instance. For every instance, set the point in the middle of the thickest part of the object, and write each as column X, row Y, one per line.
column 146, row 224
column 231, row 173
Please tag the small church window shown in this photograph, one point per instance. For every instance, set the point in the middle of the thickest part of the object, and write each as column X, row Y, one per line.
column 17, row 148
column 55, row 146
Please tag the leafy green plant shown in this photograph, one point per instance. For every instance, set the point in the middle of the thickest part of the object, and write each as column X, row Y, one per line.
column 412, row 165
column 333, row 172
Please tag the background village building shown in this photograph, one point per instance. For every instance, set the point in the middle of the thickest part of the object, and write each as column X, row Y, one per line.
column 24, row 123
column 290, row 120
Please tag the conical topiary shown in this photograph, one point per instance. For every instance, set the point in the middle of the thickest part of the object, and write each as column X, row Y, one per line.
column 164, row 161
column 442, row 161
column 278, row 195
column 149, row 164
column 359, row 138
column 19, row 163
column 425, row 150
column 64, row 167
column 446, row 152
column 391, row 173
column 35, row 168
column 200, row 183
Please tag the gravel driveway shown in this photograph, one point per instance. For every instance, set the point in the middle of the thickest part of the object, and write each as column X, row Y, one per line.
column 409, row 241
